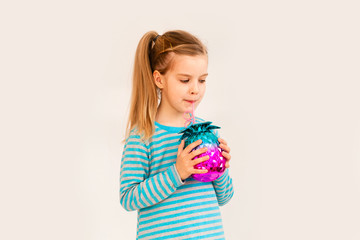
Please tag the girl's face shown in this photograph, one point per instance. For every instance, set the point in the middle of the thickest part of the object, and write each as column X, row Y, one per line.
column 183, row 84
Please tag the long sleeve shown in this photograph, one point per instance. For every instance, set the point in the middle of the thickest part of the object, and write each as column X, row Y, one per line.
column 136, row 189
column 224, row 188
column 223, row 185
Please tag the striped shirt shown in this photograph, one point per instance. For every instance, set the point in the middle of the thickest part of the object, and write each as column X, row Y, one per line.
column 169, row 208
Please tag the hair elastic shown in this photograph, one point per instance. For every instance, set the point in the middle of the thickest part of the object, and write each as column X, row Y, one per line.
column 156, row 38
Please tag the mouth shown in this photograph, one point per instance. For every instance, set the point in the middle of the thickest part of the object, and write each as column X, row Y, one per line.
column 190, row 101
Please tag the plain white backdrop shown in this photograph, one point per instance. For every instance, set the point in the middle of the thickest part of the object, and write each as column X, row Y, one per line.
column 283, row 85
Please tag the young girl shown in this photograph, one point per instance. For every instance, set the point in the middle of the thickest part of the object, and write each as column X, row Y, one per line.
column 155, row 177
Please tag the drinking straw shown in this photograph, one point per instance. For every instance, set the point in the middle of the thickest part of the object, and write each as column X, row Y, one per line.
column 192, row 116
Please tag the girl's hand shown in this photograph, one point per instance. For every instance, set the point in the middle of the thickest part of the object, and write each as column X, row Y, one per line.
column 185, row 163
column 225, row 152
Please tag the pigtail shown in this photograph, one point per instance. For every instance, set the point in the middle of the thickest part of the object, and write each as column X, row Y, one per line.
column 144, row 97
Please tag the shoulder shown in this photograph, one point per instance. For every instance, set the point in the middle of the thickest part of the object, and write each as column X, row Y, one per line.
column 135, row 147
column 199, row 119
column 135, row 138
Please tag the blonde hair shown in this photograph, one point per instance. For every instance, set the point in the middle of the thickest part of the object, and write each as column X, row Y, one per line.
column 155, row 52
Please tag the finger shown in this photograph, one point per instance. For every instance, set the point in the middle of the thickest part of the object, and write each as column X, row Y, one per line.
column 192, row 145
column 181, row 147
column 226, row 155
column 199, row 171
column 227, row 165
column 225, row 147
column 198, row 152
column 222, row 141
column 200, row 159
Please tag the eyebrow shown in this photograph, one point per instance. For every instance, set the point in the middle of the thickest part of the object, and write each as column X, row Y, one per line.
column 188, row 75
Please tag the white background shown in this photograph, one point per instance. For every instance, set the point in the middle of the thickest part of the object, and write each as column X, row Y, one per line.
column 283, row 84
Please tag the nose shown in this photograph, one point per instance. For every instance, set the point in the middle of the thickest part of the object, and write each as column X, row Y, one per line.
column 194, row 88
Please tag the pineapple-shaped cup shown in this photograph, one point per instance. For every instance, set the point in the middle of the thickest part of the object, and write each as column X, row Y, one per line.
column 216, row 162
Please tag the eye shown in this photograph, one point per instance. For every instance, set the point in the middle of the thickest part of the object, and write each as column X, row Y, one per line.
column 202, row 80
column 184, row 81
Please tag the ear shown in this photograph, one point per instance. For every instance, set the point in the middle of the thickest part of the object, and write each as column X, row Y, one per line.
column 158, row 78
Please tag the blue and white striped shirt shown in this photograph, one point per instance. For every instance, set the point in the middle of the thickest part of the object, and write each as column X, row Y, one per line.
column 169, row 208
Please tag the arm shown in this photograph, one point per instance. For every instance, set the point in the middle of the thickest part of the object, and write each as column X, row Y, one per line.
column 224, row 188
column 136, row 189
column 223, row 185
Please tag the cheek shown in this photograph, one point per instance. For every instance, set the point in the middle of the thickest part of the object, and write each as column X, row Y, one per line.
column 176, row 95
column 203, row 89
column 180, row 90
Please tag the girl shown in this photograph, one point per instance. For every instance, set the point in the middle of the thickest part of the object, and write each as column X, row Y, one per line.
column 155, row 169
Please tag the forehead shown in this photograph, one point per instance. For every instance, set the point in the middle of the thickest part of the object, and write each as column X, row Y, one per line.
column 193, row 65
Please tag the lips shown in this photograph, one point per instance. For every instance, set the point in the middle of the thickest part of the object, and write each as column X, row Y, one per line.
column 190, row 101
